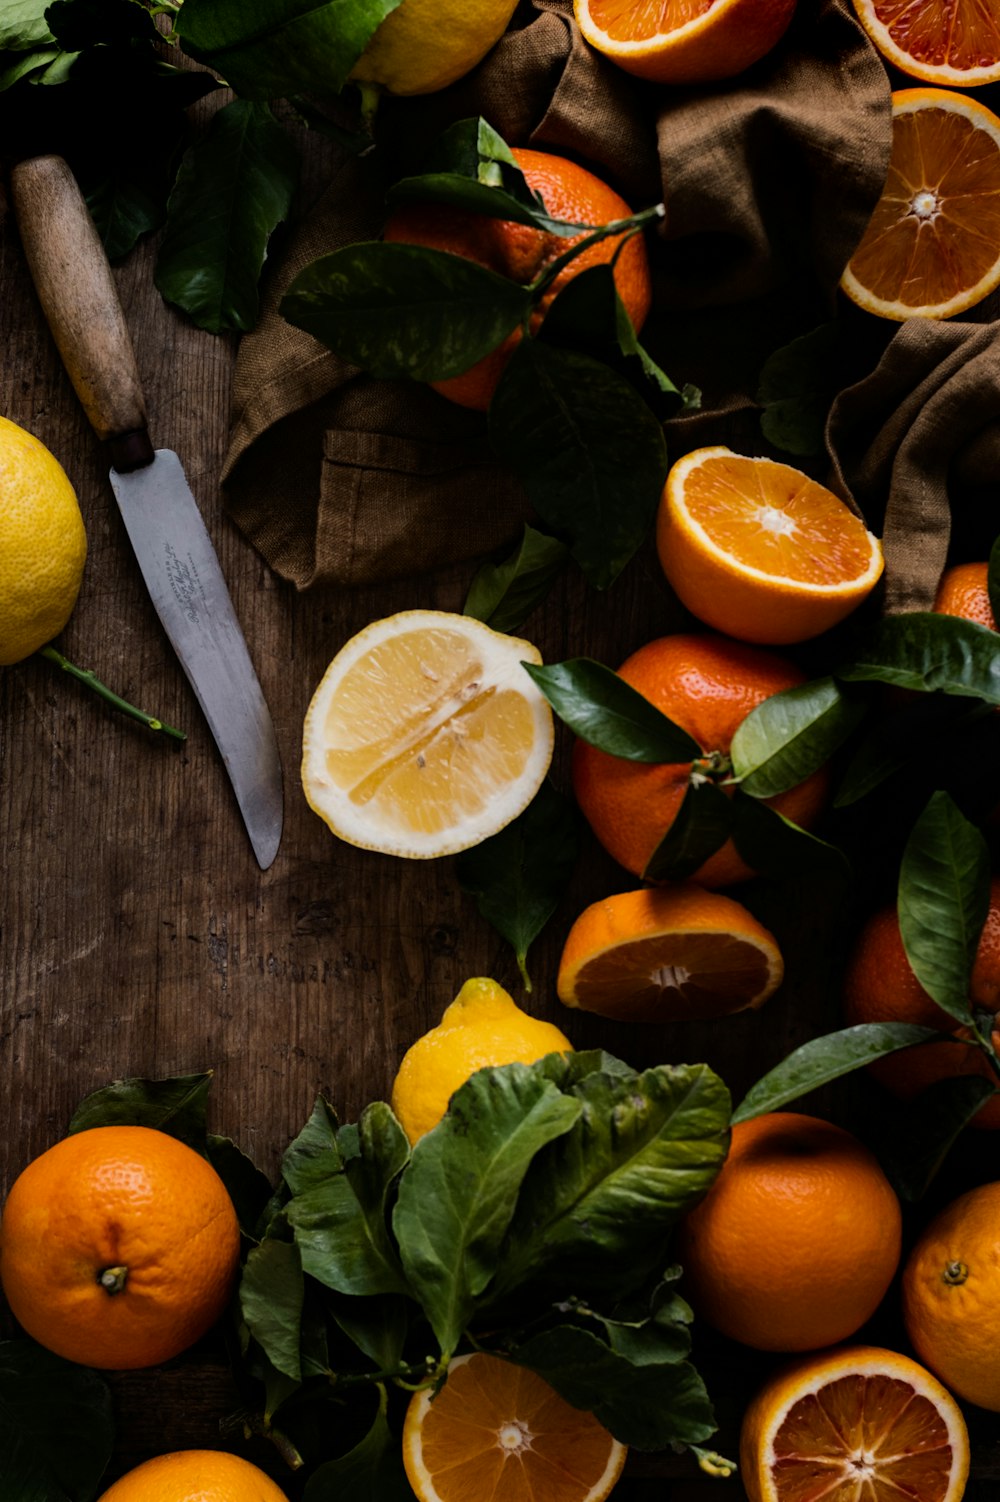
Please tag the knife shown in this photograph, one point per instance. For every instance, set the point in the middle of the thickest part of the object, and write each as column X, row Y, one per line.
column 174, row 551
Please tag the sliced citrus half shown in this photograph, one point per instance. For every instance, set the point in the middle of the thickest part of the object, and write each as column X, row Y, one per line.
column 759, row 550
column 425, row 735
column 666, row 953
column 495, row 1430
column 954, row 42
column 932, row 246
column 855, row 1424
column 683, row 41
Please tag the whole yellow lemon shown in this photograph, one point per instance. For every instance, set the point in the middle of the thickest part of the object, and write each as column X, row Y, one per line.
column 424, row 45
column 43, row 545
column 483, row 1026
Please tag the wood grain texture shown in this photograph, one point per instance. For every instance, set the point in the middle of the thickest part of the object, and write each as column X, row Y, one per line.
column 139, row 937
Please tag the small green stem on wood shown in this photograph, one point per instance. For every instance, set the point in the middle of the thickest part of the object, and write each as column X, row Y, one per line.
column 90, row 679
column 391, row 1374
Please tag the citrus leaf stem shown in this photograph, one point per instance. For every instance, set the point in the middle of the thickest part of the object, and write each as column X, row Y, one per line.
column 90, row 679
column 630, row 226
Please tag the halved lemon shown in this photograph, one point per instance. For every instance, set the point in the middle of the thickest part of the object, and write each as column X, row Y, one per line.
column 425, row 735
column 854, row 1423
column 759, row 550
column 665, row 953
column 495, row 1430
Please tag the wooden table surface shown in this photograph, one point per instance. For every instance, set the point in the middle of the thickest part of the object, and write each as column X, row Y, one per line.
column 139, row 937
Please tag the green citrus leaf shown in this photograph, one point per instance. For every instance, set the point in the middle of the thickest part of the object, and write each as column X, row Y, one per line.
column 604, row 710
column 176, row 1106
column 792, row 734
column 598, row 1202
column 944, row 896
column 272, row 1289
column 23, row 27
column 341, row 1222
column 56, row 1426
column 931, row 654
column 504, row 594
column 774, row 846
column 232, row 190
column 588, row 450
column 315, row 1153
column 458, row 1194
column 266, row 49
column 374, row 1468
column 247, row 1187
column 797, row 385
column 824, row 1059
column 400, row 310
column 701, row 826
column 519, row 876
column 648, row 1405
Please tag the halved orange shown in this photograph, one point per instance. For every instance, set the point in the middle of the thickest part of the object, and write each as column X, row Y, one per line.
column 683, row 41
column 665, row 953
column 759, row 550
column 425, row 735
column 932, row 246
column 854, row 1424
column 953, row 42
column 495, row 1430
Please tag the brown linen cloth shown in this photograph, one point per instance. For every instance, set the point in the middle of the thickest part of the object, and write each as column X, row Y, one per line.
column 916, row 444
column 769, row 180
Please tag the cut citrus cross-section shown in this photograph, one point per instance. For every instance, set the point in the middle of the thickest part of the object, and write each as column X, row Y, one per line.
column 857, row 1424
column 497, row 1430
column 932, row 246
column 666, row 953
column 683, row 41
column 953, row 42
column 759, row 550
column 425, row 735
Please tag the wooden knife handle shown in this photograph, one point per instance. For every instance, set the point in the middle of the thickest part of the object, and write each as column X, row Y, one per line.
column 77, row 293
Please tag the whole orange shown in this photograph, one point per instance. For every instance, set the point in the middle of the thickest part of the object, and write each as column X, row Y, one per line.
column 963, row 592
column 797, row 1241
column 521, row 253
column 195, row 1476
column 880, row 986
column 118, row 1247
column 707, row 685
column 951, row 1296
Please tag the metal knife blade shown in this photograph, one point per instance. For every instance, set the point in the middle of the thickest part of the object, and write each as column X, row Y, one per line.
column 166, row 529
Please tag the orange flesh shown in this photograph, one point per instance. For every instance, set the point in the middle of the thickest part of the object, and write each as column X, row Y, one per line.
column 936, row 229
column 627, row 21
column 862, row 1439
column 937, row 33
column 480, row 1445
column 673, row 976
column 771, row 517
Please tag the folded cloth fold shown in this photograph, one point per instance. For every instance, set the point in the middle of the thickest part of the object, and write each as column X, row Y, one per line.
column 769, row 180
column 916, row 444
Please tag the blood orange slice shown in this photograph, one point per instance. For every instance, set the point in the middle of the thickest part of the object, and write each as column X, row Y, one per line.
column 850, row 1424
column 953, row 42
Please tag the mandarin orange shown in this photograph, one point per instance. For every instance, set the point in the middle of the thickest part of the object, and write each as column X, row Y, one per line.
column 951, row 1296
column 522, row 253
column 118, row 1247
column 797, row 1241
column 880, row 986
column 963, row 591
column 195, row 1476
column 707, row 685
